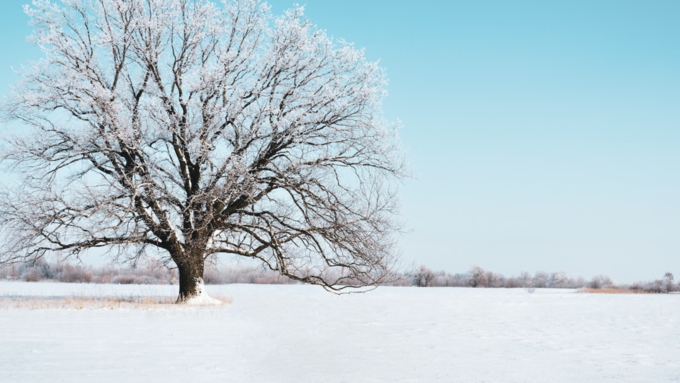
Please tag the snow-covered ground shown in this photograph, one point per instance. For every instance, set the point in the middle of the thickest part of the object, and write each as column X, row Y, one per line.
column 303, row 334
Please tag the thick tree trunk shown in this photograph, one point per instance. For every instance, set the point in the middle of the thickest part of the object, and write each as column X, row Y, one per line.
column 190, row 279
column 191, row 289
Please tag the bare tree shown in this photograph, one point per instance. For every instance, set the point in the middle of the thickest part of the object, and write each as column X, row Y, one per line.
column 198, row 129
column 540, row 280
column 668, row 280
column 600, row 281
column 526, row 279
column 478, row 277
column 422, row 276
column 558, row 280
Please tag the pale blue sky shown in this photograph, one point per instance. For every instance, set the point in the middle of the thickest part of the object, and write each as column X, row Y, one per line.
column 545, row 135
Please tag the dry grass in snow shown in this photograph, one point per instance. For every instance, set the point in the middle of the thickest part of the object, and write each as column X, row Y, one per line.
column 88, row 302
column 613, row 291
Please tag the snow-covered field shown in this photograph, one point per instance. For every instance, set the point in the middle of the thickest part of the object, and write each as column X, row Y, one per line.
column 303, row 334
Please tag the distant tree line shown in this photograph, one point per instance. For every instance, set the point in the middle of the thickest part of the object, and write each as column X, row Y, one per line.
column 477, row 277
column 157, row 273
column 40, row 270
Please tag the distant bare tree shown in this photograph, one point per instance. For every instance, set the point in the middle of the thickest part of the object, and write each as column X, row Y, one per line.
column 580, row 282
column 494, row 279
column 558, row 280
column 199, row 129
column 422, row 277
column 525, row 277
column 540, row 280
column 478, row 277
column 668, row 282
column 600, row 281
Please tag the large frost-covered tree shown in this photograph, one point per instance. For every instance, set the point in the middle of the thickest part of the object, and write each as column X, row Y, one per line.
column 198, row 129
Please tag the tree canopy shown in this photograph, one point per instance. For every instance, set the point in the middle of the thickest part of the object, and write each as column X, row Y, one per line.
column 198, row 129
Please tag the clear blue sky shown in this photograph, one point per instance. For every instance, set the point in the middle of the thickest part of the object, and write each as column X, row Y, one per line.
column 545, row 135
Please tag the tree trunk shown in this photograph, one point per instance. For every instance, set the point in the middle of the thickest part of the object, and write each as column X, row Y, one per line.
column 191, row 289
column 190, row 279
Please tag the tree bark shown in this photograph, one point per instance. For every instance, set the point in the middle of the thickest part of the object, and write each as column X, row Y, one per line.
column 190, row 278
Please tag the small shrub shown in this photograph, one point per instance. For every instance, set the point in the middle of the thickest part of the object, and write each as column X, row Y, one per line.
column 75, row 274
column 125, row 279
column 32, row 275
column 130, row 279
